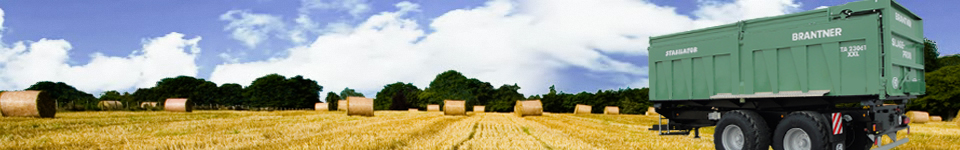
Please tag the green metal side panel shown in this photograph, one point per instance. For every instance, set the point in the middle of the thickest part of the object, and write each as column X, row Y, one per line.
column 859, row 48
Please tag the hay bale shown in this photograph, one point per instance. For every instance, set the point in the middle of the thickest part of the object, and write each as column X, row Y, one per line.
column 413, row 110
column 918, row 116
column 479, row 108
column 433, row 107
column 342, row 105
column 528, row 108
column 148, row 104
column 110, row 105
column 582, row 109
column 321, row 107
column 360, row 106
column 454, row 107
column 652, row 111
column 27, row 104
column 935, row 119
column 611, row 110
column 178, row 105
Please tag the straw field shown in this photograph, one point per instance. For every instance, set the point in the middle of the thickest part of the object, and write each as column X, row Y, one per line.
column 310, row 129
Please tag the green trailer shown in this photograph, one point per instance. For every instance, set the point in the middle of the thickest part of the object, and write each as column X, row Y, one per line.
column 810, row 80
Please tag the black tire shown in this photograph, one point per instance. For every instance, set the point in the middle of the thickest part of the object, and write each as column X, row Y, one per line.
column 756, row 134
column 814, row 125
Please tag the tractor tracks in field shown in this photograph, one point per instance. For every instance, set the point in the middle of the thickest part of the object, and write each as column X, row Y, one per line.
column 473, row 132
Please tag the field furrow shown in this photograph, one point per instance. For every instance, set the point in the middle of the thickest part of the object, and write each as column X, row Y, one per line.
column 449, row 137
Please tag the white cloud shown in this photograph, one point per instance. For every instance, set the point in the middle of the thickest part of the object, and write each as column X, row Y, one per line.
column 251, row 28
column 1, row 27
column 713, row 12
column 26, row 63
column 354, row 7
column 504, row 42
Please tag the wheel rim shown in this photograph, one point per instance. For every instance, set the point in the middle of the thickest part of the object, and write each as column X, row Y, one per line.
column 732, row 137
column 796, row 139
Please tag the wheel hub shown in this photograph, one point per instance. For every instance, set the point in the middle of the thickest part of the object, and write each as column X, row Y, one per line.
column 796, row 139
column 732, row 137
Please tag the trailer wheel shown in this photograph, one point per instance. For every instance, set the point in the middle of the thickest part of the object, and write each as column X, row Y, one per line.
column 741, row 130
column 802, row 130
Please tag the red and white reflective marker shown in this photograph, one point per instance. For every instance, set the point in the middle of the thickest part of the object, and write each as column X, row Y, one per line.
column 837, row 123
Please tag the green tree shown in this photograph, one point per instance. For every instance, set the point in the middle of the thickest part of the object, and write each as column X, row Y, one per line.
column 201, row 93
column 347, row 92
column 930, row 54
column 504, row 98
column 332, row 100
column 454, row 86
column 145, row 95
column 110, row 95
column 67, row 96
column 943, row 92
column 949, row 60
column 276, row 91
column 304, row 93
column 231, row 94
column 396, row 96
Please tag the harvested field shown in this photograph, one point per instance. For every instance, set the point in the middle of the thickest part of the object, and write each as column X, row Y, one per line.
column 308, row 129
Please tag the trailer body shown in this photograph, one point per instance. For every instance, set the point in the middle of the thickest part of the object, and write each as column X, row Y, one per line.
column 866, row 52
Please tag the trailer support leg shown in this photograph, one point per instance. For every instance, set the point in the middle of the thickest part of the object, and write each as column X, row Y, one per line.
column 696, row 132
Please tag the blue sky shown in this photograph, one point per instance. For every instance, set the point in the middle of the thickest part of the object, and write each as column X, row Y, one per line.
column 574, row 44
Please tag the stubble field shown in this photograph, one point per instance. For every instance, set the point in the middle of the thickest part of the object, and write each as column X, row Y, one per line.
column 387, row 130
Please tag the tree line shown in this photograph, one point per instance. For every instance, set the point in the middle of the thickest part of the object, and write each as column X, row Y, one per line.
column 452, row 85
column 943, row 83
column 272, row 92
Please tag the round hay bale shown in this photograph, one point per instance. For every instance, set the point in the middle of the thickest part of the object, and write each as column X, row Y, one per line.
column 582, row 109
column 433, row 107
column 321, row 107
column 652, row 111
column 611, row 110
column 110, row 105
column 528, row 108
column 413, row 110
column 148, row 104
column 918, row 116
column 935, row 119
column 454, row 107
column 27, row 104
column 479, row 108
column 359, row 106
column 178, row 105
column 342, row 105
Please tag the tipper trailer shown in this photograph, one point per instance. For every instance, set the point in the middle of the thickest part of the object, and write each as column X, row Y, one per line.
column 810, row 80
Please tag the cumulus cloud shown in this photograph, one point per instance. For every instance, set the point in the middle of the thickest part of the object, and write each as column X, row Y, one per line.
column 251, row 28
column 503, row 41
column 25, row 63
